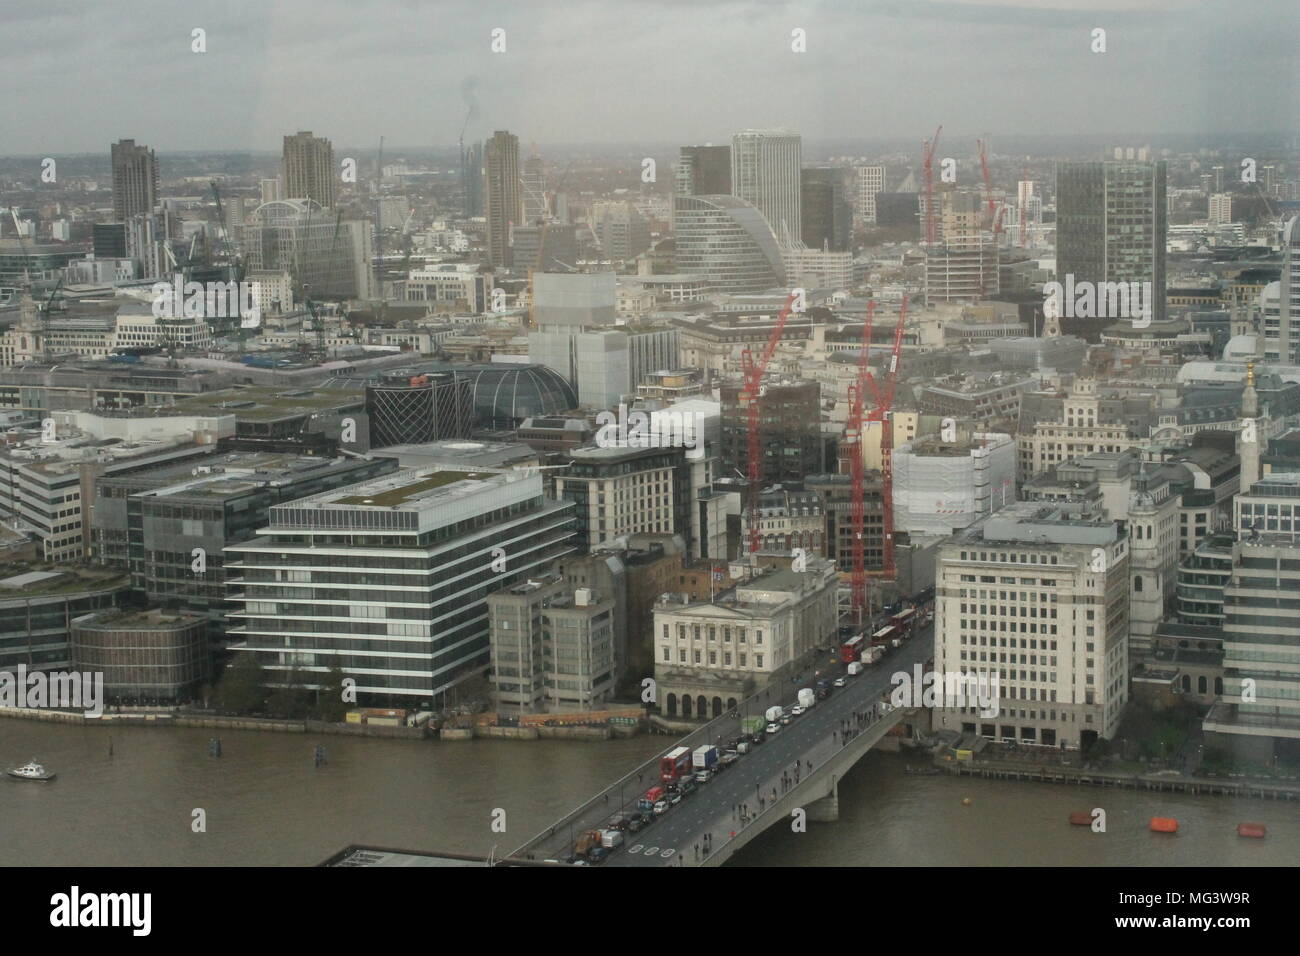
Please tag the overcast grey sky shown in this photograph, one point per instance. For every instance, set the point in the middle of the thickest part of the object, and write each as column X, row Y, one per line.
column 79, row 75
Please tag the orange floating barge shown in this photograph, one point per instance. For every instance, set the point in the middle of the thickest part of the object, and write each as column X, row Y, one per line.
column 1081, row 818
column 1164, row 825
column 1255, row 830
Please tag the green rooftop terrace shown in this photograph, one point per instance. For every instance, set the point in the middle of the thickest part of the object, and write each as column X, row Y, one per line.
column 391, row 497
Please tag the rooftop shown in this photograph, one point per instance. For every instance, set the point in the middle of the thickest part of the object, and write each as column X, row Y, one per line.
column 39, row 580
column 406, row 488
column 268, row 403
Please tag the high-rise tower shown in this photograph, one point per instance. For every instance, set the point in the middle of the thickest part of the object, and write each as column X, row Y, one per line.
column 135, row 179
column 501, row 194
column 1110, row 227
column 308, row 168
column 765, row 168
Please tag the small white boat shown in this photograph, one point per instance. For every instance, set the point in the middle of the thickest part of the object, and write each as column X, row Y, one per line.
column 31, row 771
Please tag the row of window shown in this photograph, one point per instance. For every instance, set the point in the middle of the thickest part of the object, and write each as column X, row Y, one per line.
column 713, row 658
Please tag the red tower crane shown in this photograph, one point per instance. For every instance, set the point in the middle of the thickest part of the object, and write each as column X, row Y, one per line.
column 927, row 167
column 750, row 393
column 857, row 497
column 881, row 413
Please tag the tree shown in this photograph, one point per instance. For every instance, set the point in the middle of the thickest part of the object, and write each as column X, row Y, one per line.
column 291, row 699
column 242, row 686
column 331, row 706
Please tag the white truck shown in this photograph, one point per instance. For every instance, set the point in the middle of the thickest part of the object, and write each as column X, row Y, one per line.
column 874, row 655
column 807, row 699
column 855, row 668
column 773, row 714
column 704, row 758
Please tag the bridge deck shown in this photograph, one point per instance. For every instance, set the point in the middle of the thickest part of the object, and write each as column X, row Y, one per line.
column 761, row 787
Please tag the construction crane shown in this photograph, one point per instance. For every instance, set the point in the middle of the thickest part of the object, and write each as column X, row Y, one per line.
column 27, row 287
column 927, row 167
column 234, row 262
column 994, row 210
column 857, row 496
column 22, row 243
column 750, row 392
column 884, row 408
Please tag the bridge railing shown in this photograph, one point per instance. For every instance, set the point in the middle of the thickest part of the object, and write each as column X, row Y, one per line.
column 597, row 809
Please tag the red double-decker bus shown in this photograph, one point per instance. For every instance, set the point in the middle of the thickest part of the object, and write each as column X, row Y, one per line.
column 852, row 649
column 676, row 763
column 904, row 620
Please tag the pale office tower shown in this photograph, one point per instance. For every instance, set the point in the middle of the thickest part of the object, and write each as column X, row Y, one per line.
column 604, row 365
column 871, row 181
column 145, row 236
column 621, row 230
column 1220, row 210
column 552, row 647
column 501, row 194
column 135, row 179
column 765, row 167
column 307, row 168
column 1289, row 295
column 533, row 191
column 595, row 362
column 816, row 268
column 1038, row 595
column 575, row 300
column 234, row 221
column 944, row 486
column 271, row 191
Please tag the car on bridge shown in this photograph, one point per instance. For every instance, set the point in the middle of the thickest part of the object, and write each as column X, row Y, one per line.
column 773, row 728
column 839, row 682
column 796, row 711
column 661, row 807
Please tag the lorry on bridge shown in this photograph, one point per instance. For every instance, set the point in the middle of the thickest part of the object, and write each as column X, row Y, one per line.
column 773, row 714
column 807, row 699
column 589, row 845
column 823, row 689
column 705, row 757
column 754, row 725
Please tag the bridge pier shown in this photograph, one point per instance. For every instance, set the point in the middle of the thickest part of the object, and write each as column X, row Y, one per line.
column 827, row 809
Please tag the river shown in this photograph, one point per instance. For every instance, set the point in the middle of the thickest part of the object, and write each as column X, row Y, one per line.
column 265, row 803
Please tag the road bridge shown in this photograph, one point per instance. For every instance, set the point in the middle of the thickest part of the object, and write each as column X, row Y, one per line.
column 798, row 767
